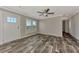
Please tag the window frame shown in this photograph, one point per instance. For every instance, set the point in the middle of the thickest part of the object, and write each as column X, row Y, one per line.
column 32, row 26
column 11, row 19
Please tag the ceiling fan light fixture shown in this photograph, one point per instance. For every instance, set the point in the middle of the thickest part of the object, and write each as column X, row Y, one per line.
column 45, row 14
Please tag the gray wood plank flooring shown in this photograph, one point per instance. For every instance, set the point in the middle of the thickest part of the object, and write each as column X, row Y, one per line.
column 42, row 44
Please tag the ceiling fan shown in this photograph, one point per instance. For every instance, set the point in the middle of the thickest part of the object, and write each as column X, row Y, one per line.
column 45, row 12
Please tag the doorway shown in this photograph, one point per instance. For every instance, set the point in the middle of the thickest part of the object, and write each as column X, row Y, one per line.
column 65, row 27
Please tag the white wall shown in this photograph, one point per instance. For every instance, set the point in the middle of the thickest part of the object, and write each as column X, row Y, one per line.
column 52, row 26
column 1, row 28
column 22, row 21
column 24, row 31
column 75, row 26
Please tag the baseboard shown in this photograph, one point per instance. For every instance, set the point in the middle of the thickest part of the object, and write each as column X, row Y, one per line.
column 27, row 36
column 49, row 35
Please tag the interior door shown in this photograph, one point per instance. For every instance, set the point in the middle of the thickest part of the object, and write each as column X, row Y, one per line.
column 11, row 27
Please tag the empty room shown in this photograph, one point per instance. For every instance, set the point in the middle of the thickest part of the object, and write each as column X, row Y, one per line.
column 39, row 29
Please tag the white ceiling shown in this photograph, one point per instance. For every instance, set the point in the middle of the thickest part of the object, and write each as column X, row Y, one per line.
column 31, row 11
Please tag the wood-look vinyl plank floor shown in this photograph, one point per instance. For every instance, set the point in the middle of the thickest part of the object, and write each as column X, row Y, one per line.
column 41, row 43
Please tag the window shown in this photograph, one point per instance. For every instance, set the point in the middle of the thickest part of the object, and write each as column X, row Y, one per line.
column 28, row 22
column 11, row 19
column 31, row 24
column 34, row 23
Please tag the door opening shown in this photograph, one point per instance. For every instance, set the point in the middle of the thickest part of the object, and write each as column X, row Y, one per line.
column 65, row 27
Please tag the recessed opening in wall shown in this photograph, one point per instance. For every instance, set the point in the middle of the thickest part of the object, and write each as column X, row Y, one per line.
column 65, row 27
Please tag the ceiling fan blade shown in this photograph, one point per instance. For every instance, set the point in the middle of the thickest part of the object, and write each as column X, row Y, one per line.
column 51, row 13
column 47, row 10
column 39, row 12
